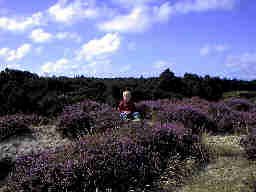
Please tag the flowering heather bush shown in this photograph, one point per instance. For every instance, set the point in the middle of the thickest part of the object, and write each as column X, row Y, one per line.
column 219, row 109
column 88, row 106
column 196, row 102
column 239, row 104
column 167, row 129
column 166, row 138
column 228, row 120
column 101, row 116
column 173, row 138
column 154, row 105
column 102, row 161
column 192, row 118
column 162, row 107
column 34, row 119
column 105, row 163
column 105, row 118
column 72, row 122
column 13, row 124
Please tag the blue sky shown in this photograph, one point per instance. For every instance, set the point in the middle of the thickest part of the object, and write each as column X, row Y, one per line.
column 122, row 38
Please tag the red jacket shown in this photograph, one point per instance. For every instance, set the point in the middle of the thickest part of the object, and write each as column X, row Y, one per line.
column 130, row 106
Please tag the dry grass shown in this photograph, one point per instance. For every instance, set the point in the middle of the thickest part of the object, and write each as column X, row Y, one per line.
column 229, row 170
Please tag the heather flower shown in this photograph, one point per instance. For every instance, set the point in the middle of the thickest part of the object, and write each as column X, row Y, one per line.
column 239, row 104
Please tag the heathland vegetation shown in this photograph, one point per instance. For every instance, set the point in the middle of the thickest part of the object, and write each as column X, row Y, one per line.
column 181, row 119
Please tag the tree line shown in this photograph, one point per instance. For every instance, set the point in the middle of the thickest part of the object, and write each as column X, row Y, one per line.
column 26, row 92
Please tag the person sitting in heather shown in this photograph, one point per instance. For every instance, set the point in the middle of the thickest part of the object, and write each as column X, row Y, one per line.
column 127, row 107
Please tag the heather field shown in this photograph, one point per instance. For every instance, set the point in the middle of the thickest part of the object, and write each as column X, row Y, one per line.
column 179, row 145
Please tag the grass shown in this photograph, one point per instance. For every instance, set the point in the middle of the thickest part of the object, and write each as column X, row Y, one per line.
column 229, row 170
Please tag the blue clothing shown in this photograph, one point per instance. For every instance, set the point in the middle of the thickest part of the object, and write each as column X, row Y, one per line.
column 131, row 115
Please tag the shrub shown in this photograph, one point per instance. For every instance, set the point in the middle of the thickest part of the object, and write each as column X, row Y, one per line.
column 6, row 165
column 239, row 104
column 101, row 116
column 249, row 144
column 229, row 121
column 154, row 105
column 10, row 125
column 50, row 105
column 105, row 117
column 116, row 165
column 102, row 161
column 166, row 138
column 192, row 118
column 72, row 122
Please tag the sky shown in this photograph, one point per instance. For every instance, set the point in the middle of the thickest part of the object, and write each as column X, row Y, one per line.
column 129, row 38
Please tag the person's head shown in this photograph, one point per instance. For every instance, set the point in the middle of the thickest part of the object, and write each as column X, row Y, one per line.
column 127, row 95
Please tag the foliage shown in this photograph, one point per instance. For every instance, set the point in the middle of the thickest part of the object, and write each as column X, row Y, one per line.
column 230, row 94
column 127, row 161
column 48, row 105
column 13, row 124
column 115, row 164
column 239, row 104
column 227, row 120
column 73, row 121
column 192, row 118
column 249, row 144
column 5, row 166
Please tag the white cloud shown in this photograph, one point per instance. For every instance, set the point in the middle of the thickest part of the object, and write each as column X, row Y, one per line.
column 15, row 66
column 60, row 66
column 246, row 60
column 23, row 50
column 213, row 48
column 11, row 55
column 162, row 13
column 128, row 4
column 108, row 44
column 141, row 18
column 98, row 68
column 203, row 5
column 68, row 35
column 204, row 50
column 242, row 65
column 21, row 24
column 142, row 15
column 136, row 21
column 38, row 35
column 72, row 12
column 4, row 51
